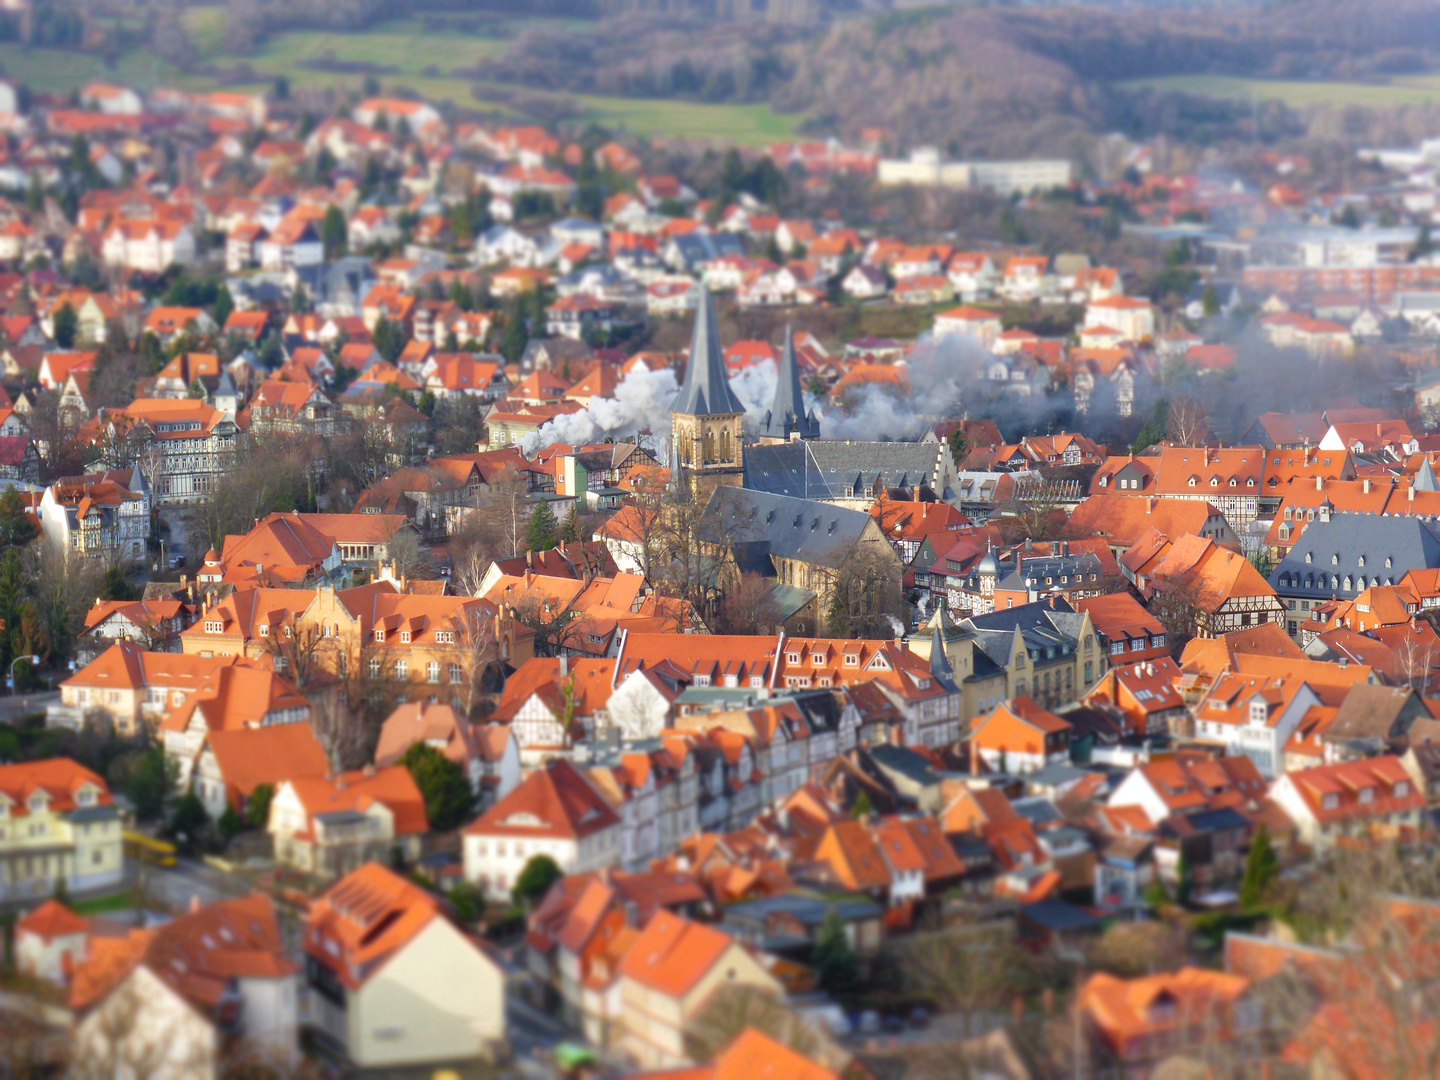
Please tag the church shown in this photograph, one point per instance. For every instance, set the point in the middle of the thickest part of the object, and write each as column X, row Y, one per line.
column 800, row 544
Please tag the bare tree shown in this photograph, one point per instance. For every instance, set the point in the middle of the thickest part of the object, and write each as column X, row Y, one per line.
column 1176, row 602
column 748, row 607
column 734, row 1007
column 971, row 970
column 547, row 619
column 477, row 652
column 862, row 596
column 126, row 1035
column 1188, row 424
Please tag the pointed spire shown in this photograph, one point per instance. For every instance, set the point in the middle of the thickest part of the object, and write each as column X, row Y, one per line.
column 940, row 666
column 1425, row 478
column 707, row 382
column 787, row 414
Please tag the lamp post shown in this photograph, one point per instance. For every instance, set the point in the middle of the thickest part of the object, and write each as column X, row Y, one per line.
column 11, row 680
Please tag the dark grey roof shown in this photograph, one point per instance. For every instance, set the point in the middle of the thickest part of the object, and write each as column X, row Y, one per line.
column 1350, row 552
column 1037, row 569
column 1044, row 627
column 697, row 248
column 757, row 525
column 707, row 380
column 832, row 469
column 1057, row 915
column 915, row 767
column 787, row 413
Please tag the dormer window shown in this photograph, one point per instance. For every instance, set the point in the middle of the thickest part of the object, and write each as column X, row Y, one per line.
column 1334, row 560
column 1309, row 557
column 214, row 626
column 1331, row 801
column 817, row 659
column 1232, row 482
column 1402, row 788
column 404, row 637
column 1361, row 561
column 38, row 802
column 1258, row 712
column 379, row 633
column 264, row 629
column 792, row 657
column 852, row 659
column 1367, row 794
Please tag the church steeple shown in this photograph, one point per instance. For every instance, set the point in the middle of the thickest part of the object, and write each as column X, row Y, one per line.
column 706, row 416
column 787, row 415
column 706, row 391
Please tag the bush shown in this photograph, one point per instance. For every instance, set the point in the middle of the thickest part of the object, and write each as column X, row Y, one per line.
column 535, row 880
column 468, row 901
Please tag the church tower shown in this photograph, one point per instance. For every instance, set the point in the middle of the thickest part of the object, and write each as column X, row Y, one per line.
column 787, row 418
column 706, row 449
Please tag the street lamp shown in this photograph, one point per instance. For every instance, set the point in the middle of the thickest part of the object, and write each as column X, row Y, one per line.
column 10, row 681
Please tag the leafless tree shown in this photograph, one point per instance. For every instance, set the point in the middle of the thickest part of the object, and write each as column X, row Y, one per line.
column 862, row 597
column 126, row 1036
column 748, row 607
column 1189, row 424
column 346, row 732
column 734, row 1007
column 477, row 652
column 547, row 619
column 1176, row 602
column 303, row 653
column 971, row 970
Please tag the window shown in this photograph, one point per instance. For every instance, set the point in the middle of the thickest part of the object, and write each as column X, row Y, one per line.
column 404, row 637
column 455, row 673
column 374, row 667
column 379, row 633
column 402, row 669
column 432, row 671
column 214, row 627
column 1367, row 795
column 445, row 637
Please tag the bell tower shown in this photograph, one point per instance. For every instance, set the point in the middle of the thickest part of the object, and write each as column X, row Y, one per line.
column 706, row 446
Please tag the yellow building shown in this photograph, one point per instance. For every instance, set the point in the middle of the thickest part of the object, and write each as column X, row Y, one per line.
column 57, row 823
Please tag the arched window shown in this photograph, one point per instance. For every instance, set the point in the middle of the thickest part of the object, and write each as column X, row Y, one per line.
column 709, row 447
column 725, row 445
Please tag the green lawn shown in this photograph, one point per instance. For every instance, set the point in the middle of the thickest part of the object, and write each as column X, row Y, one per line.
column 103, row 905
column 1408, row 90
column 405, row 45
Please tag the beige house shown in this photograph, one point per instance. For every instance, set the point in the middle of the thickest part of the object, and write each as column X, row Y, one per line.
column 57, row 823
column 668, row 976
column 392, row 982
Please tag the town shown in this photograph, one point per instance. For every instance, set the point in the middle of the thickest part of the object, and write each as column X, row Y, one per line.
column 532, row 601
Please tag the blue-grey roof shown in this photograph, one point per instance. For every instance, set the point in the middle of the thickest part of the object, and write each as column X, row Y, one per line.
column 906, row 762
column 706, row 391
column 787, row 415
column 1057, row 915
column 698, row 248
column 758, row 526
column 834, row 469
column 1349, row 553
column 1049, row 630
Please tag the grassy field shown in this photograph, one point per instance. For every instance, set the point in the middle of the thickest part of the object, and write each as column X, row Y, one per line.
column 1299, row 94
column 405, row 45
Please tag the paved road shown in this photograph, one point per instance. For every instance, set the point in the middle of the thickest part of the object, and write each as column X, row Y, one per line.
column 13, row 707
column 190, row 880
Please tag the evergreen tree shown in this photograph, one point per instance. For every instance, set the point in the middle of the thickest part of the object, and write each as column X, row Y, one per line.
column 190, row 820
column 516, row 338
column 544, row 530
column 333, row 233
column 863, row 808
column 834, row 961
column 1210, row 301
column 257, row 810
column 16, row 527
column 1185, row 880
column 224, row 306
column 535, row 880
column 230, row 824
column 67, row 326
column 447, row 793
column 1262, row 867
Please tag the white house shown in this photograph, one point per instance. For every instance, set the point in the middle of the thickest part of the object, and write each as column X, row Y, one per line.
column 556, row 811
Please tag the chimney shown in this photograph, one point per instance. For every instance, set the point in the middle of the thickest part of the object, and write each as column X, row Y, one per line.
column 1344, row 661
column 975, row 764
column 1365, row 486
column 369, row 770
column 340, row 784
column 1150, row 506
column 564, row 666
column 195, row 904
column 1410, row 493
column 1319, row 483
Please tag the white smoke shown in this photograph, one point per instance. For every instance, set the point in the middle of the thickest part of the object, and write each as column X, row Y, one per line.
column 938, row 370
column 641, row 403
